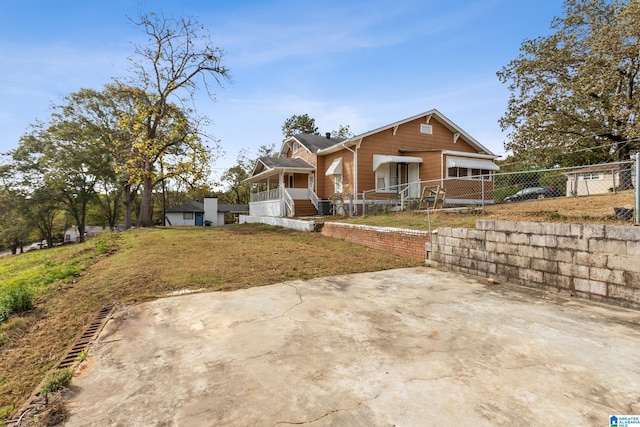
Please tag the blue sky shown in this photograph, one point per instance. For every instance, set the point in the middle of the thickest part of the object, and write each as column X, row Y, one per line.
column 359, row 63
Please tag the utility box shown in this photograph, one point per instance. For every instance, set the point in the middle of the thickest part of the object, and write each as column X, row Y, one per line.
column 324, row 207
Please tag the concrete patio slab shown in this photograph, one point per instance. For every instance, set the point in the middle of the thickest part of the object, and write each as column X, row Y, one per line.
column 407, row 347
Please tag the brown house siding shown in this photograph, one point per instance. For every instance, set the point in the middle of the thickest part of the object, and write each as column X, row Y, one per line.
column 408, row 137
column 326, row 183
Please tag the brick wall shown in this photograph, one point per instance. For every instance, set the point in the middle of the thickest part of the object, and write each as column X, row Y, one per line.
column 399, row 241
column 599, row 262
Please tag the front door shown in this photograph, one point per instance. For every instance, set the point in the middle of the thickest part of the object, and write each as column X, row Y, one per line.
column 199, row 216
column 414, row 180
column 408, row 177
column 403, row 177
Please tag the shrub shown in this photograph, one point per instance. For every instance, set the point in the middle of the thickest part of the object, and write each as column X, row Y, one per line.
column 101, row 246
column 15, row 299
column 56, row 381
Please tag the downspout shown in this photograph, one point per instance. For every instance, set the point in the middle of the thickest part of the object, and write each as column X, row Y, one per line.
column 355, row 175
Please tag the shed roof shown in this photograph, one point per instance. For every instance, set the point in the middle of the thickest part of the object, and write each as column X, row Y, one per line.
column 233, row 208
column 194, row 206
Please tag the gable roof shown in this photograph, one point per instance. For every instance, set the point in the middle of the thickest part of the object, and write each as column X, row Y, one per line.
column 427, row 114
column 194, row 206
column 267, row 166
column 312, row 142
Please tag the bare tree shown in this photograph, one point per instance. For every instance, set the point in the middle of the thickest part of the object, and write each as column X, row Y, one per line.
column 177, row 61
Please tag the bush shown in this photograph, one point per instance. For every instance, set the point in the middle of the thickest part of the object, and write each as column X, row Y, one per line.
column 56, row 381
column 15, row 299
column 101, row 246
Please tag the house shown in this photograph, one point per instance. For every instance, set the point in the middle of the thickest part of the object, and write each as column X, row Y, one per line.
column 197, row 213
column 389, row 164
column 73, row 235
column 597, row 179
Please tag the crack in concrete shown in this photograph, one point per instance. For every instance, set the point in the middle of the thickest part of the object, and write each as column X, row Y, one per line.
column 296, row 304
column 327, row 414
column 269, row 319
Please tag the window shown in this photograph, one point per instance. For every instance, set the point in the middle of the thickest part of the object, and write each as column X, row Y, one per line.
column 591, row 176
column 387, row 178
column 469, row 173
column 457, row 172
column 337, row 183
column 481, row 174
column 187, row 215
column 294, row 148
column 426, row 129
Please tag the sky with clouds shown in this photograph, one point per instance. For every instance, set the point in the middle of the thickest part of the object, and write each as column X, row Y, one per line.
column 359, row 63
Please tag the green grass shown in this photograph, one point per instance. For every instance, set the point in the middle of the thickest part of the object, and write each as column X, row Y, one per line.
column 26, row 276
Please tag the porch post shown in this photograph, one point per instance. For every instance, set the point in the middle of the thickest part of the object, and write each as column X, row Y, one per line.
column 283, row 207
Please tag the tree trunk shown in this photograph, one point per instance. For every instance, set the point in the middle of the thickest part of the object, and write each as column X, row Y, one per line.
column 127, row 207
column 626, row 181
column 145, row 219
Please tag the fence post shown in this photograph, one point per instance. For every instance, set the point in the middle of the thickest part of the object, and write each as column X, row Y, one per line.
column 364, row 203
column 637, row 189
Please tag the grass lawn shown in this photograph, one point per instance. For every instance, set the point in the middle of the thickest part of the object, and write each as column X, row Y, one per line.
column 596, row 209
column 73, row 282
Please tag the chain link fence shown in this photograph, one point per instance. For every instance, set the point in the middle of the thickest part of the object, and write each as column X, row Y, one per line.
column 470, row 188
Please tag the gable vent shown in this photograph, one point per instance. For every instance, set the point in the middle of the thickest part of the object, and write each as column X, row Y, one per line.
column 426, row 129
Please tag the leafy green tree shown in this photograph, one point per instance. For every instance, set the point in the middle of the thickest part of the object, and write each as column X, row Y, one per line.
column 177, row 60
column 343, row 131
column 14, row 229
column 40, row 210
column 238, row 191
column 574, row 93
column 299, row 124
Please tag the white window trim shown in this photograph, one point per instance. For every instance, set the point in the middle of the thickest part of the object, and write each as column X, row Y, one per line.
column 487, row 177
column 592, row 176
column 337, row 183
column 383, row 172
column 426, row 129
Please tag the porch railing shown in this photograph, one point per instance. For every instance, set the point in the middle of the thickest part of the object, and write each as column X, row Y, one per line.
column 263, row 196
column 314, row 198
column 288, row 201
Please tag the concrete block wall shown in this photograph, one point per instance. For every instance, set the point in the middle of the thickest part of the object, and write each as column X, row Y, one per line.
column 599, row 262
column 399, row 241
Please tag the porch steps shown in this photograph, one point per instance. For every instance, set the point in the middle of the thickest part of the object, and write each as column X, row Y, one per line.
column 305, row 208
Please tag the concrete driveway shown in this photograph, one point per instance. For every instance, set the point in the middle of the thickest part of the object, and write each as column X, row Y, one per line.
column 408, row 347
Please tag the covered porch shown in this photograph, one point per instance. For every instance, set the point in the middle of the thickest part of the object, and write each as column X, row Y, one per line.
column 284, row 188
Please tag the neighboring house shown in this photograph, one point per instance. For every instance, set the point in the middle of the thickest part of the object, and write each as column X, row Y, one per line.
column 596, row 179
column 72, row 234
column 198, row 213
column 391, row 163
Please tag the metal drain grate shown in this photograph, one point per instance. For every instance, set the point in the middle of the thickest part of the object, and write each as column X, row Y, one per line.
column 70, row 359
column 89, row 334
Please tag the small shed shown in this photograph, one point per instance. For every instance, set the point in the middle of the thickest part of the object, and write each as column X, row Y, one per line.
column 597, row 179
column 196, row 213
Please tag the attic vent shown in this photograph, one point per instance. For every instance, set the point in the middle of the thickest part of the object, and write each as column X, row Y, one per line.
column 426, row 129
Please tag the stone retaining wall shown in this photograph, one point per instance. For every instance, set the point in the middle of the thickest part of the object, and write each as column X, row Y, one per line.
column 399, row 241
column 599, row 262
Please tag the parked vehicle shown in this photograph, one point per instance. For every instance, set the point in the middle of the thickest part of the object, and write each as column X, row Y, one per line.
column 532, row 193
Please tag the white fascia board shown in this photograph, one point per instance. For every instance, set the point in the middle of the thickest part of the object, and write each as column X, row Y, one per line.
column 468, row 154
